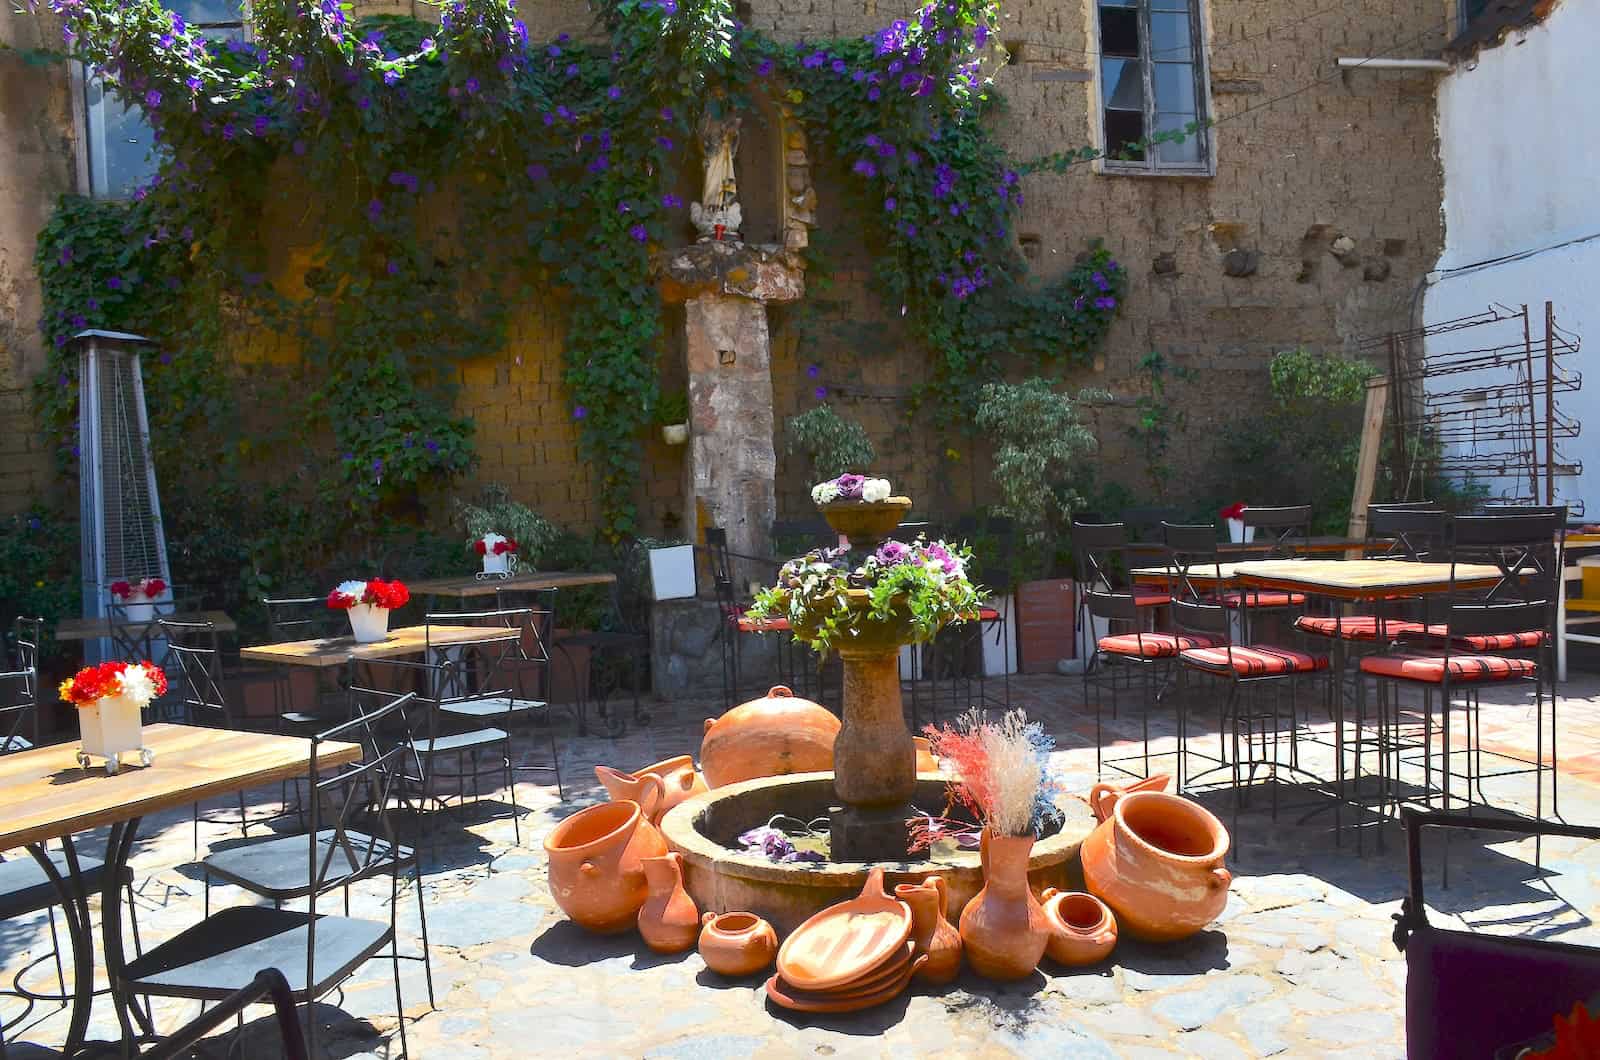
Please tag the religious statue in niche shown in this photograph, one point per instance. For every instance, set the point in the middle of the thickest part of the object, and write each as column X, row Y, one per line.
column 717, row 214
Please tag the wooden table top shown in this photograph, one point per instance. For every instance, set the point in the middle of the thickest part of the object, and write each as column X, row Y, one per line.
column 1199, row 574
column 407, row 640
column 1308, row 544
column 44, row 795
column 95, row 628
column 1360, row 579
column 470, row 585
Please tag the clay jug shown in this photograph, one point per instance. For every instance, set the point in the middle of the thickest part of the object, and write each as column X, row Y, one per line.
column 768, row 737
column 1082, row 929
column 679, row 782
column 735, row 944
column 1103, row 796
column 1156, row 860
column 931, row 930
column 1003, row 929
column 642, row 788
column 595, row 869
column 668, row 920
column 926, row 762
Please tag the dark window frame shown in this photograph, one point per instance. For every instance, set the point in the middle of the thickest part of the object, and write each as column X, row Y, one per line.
column 1151, row 164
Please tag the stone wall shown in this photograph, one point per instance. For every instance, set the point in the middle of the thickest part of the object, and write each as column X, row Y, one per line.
column 1305, row 156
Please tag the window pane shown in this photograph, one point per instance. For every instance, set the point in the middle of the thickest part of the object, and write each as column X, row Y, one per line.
column 1124, row 127
column 1169, row 5
column 1183, row 152
column 208, row 12
column 119, row 144
column 1119, row 31
column 1169, row 37
column 1122, row 85
column 1174, row 84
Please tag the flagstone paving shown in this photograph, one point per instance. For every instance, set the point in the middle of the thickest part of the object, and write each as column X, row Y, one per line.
column 1301, row 962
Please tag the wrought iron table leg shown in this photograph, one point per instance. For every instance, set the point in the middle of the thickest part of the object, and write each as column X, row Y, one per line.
column 75, row 907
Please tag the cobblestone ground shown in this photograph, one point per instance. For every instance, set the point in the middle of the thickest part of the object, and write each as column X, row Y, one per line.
column 1300, row 964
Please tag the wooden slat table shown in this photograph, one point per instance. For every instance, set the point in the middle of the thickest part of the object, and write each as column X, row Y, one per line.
column 1201, row 575
column 470, row 585
column 45, row 795
column 407, row 640
column 1306, row 544
column 95, row 628
column 1363, row 579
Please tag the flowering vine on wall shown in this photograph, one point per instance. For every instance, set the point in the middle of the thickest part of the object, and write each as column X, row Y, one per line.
column 444, row 173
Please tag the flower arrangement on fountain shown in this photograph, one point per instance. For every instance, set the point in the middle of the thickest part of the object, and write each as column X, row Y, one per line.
column 368, row 604
column 910, row 589
column 848, row 487
column 1002, row 778
column 138, row 683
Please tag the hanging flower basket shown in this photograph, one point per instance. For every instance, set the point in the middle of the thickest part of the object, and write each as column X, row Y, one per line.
column 109, row 698
column 368, row 604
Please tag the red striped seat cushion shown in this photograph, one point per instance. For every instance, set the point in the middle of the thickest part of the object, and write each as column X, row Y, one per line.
column 1151, row 598
column 1260, row 598
column 763, row 625
column 1355, row 627
column 1156, row 645
column 1431, row 668
column 1521, row 641
column 1255, row 660
column 987, row 614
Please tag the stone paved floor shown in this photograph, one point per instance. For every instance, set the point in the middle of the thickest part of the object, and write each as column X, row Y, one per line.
column 1300, row 963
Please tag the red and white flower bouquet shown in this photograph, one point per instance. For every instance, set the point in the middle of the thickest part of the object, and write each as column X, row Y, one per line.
column 138, row 599
column 369, row 603
column 109, row 698
column 1233, row 515
column 499, row 553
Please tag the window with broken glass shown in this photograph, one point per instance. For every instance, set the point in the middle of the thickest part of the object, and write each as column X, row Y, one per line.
column 1152, row 84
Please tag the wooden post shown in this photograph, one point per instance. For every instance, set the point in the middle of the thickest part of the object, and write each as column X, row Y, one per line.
column 1367, row 461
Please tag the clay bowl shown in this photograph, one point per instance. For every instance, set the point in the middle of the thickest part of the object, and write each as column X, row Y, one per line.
column 788, row 997
column 1082, row 929
column 846, row 942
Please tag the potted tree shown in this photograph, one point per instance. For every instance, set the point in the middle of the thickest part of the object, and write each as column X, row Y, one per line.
column 672, row 413
column 1039, row 445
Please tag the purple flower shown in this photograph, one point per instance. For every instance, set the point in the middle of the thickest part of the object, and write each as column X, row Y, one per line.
column 152, row 98
column 374, row 209
column 178, row 25
column 865, row 168
column 1105, row 302
column 614, row 92
column 873, row 93
column 945, row 560
column 427, row 45
column 393, row 267
column 78, row 321
column 299, row 147
column 839, row 66
column 391, row 76
column 600, row 164
column 564, row 112
column 821, row 393
column 671, row 201
column 572, row 69
column 377, row 467
column 193, row 83
column 430, row 445
column 664, row 142
column 908, row 230
column 892, row 554
column 640, row 233
column 66, row 255
column 763, row 68
column 666, row 113
column 471, row 85
column 813, row 370
column 849, row 484
column 623, row 207
column 1099, row 280
column 554, row 51
column 260, row 125
column 228, row 131
column 579, row 413
column 890, row 204
column 114, row 282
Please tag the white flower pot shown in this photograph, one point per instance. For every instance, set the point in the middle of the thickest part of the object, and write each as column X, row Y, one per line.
column 501, row 565
column 139, row 611
column 111, row 727
column 675, row 433
column 1239, row 533
column 369, row 623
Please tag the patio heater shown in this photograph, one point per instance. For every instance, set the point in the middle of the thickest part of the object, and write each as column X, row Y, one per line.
column 120, row 511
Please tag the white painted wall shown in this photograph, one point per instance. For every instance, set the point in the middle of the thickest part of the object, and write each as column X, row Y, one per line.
column 1519, row 139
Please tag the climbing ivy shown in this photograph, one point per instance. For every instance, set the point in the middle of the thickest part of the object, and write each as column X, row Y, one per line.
column 439, row 176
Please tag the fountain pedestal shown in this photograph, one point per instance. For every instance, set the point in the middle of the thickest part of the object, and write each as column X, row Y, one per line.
column 874, row 761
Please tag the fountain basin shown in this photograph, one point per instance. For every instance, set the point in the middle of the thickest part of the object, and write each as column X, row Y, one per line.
column 721, row 878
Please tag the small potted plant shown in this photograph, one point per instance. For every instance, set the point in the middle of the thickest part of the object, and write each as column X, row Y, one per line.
column 495, row 513
column 368, row 603
column 672, row 413
column 831, row 443
column 499, row 554
column 109, row 698
column 1238, row 533
column 138, row 599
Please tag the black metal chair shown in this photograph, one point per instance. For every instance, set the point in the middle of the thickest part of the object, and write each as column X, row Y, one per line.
column 294, row 688
column 623, row 638
column 19, row 689
column 1409, row 534
column 222, row 954
column 268, row 985
column 1101, row 564
column 734, row 625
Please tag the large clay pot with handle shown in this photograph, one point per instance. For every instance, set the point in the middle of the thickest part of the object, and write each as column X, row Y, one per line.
column 642, row 788
column 596, row 871
column 1156, row 860
column 931, row 930
column 1104, row 796
column 1003, row 928
column 735, row 944
column 668, row 920
column 768, row 737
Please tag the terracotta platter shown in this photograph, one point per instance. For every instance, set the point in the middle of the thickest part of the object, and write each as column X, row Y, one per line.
column 787, row 996
column 845, row 942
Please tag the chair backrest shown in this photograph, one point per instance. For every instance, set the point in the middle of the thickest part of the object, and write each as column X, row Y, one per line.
column 1144, row 524
column 300, row 618
column 490, row 659
column 19, row 688
column 1286, row 527
column 1525, row 546
column 720, row 564
column 1195, row 617
column 440, row 680
column 1097, row 552
column 1114, row 607
column 1191, row 551
column 194, row 656
column 1404, row 533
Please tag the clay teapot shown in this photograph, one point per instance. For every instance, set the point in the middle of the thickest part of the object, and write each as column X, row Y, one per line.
column 735, row 944
column 1156, row 860
column 1082, row 929
column 595, row 856
column 1103, row 796
column 931, row 930
column 1003, row 928
column 668, row 920
column 768, row 737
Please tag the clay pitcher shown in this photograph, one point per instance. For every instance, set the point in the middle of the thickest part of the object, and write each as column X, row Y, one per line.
column 595, row 869
column 768, row 737
column 1082, row 929
column 1156, row 860
column 926, row 762
column 642, row 788
column 1103, row 796
column 668, row 920
column 1003, row 928
column 679, row 782
column 931, row 930
column 736, row 944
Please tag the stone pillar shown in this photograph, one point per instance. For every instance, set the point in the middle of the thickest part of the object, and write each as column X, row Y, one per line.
column 731, row 464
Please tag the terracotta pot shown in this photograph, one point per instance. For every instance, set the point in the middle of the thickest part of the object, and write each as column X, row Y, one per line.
column 1003, row 928
column 1104, row 796
column 679, row 781
column 1082, row 929
column 643, row 788
column 926, row 762
column 1157, row 862
column 735, row 944
column 935, row 937
column 768, row 737
column 596, row 875
column 668, row 920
